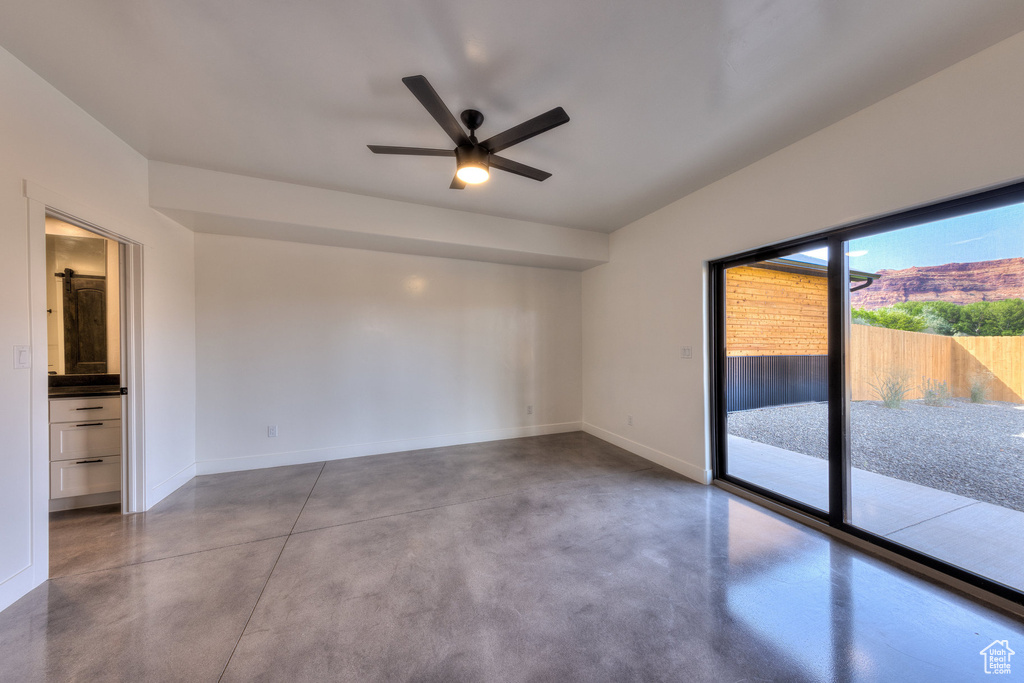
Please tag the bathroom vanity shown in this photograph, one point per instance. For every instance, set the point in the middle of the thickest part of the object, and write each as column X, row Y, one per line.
column 85, row 444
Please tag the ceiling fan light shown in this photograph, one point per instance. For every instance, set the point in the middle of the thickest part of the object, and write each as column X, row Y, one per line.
column 472, row 165
column 473, row 173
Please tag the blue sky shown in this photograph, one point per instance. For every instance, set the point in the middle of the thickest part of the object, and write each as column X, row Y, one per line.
column 983, row 236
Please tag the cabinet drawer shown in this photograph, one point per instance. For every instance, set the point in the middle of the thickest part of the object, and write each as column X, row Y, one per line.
column 86, row 439
column 85, row 409
column 82, row 477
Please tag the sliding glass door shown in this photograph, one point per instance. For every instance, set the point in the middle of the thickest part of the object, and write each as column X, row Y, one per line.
column 776, row 379
column 937, row 415
column 874, row 377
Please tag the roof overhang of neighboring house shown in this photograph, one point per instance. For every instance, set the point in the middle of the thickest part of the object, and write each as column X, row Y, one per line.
column 801, row 264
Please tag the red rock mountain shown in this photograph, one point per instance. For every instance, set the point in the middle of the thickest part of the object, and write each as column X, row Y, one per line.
column 960, row 283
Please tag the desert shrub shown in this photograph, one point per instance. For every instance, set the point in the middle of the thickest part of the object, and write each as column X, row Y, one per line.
column 980, row 383
column 935, row 393
column 891, row 387
column 936, row 323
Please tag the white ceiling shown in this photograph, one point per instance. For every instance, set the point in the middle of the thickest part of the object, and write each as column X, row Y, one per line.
column 665, row 96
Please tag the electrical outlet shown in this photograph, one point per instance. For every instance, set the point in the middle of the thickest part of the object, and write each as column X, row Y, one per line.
column 629, row 420
column 687, row 353
column 272, row 430
column 529, row 410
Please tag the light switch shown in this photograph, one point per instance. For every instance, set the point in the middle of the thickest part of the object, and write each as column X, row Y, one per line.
column 687, row 353
column 22, row 357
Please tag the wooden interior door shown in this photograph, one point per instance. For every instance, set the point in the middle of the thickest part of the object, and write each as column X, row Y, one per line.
column 85, row 323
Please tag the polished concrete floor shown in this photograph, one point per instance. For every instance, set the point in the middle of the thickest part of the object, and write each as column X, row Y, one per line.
column 556, row 558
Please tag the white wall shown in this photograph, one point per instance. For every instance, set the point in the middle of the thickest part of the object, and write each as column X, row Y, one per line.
column 46, row 139
column 950, row 134
column 353, row 352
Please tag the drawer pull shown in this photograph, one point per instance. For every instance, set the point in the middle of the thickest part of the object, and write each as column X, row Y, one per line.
column 91, row 424
column 86, row 462
column 91, row 408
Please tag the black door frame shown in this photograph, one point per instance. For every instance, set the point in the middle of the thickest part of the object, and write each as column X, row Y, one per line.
column 838, row 514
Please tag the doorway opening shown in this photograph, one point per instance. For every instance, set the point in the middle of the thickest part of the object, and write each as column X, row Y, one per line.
column 83, row 333
column 88, row 403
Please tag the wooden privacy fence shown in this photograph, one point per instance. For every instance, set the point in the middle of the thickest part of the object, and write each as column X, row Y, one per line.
column 876, row 351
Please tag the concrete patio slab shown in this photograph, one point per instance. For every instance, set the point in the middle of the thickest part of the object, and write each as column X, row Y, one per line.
column 982, row 537
column 794, row 475
column 881, row 504
column 884, row 505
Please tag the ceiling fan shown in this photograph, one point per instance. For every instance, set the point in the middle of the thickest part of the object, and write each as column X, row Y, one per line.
column 474, row 159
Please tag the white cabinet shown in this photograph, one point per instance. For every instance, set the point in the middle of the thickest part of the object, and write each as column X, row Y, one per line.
column 85, row 439
column 82, row 477
column 85, row 409
column 85, row 446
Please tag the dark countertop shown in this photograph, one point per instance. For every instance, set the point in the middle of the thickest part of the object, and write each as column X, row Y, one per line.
column 84, row 392
column 84, row 386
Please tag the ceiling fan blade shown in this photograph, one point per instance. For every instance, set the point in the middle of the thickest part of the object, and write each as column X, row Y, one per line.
column 457, row 184
column 413, row 151
column 432, row 102
column 526, row 130
column 518, row 168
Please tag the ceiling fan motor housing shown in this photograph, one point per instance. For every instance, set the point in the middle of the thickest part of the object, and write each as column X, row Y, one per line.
column 472, row 155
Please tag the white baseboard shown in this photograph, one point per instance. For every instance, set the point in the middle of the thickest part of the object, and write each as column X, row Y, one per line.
column 170, row 485
column 698, row 474
column 16, row 587
column 254, row 462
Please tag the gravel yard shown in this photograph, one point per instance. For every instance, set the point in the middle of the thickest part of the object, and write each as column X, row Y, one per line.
column 974, row 450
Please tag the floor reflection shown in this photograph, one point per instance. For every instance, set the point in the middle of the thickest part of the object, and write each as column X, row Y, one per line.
column 832, row 613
